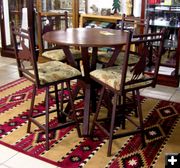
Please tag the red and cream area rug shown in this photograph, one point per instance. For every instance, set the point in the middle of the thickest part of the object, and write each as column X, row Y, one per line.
column 161, row 120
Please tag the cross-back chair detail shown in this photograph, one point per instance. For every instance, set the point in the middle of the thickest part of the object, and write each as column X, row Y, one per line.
column 51, row 74
column 120, row 80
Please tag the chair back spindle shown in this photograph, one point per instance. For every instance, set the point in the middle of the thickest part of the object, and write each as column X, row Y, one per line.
column 135, row 76
column 25, row 53
column 47, row 23
column 137, row 26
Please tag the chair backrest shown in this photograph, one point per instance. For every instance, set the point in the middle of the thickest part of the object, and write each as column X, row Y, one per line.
column 25, row 53
column 137, row 25
column 48, row 22
column 137, row 75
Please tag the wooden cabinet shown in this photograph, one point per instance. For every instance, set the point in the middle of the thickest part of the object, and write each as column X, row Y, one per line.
column 10, row 10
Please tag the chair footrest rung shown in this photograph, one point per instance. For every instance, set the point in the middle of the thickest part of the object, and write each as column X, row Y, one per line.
column 59, row 126
column 43, row 113
column 63, row 125
column 131, row 121
column 115, row 136
column 42, row 127
column 102, row 128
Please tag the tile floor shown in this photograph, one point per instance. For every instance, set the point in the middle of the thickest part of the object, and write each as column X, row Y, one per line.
column 13, row 159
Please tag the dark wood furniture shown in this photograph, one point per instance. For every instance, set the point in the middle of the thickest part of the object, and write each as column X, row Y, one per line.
column 120, row 80
column 48, row 22
column 136, row 25
column 44, row 76
column 86, row 39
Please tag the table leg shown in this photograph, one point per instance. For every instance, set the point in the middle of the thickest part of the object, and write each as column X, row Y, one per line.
column 70, row 57
column 87, row 100
column 94, row 58
column 86, row 116
column 85, row 84
column 114, row 56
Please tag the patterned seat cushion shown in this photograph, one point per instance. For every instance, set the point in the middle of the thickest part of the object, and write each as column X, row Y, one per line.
column 105, row 57
column 54, row 70
column 58, row 54
column 112, row 76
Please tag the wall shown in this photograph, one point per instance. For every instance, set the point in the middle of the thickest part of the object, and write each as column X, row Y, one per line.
column 105, row 4
column 100, row 4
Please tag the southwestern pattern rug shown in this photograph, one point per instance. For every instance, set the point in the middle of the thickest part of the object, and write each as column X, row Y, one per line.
column 161, row 120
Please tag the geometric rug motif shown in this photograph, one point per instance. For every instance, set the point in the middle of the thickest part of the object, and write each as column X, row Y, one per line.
column 167, row 111
column 134, row 160
column 158, row 127
column 66, row 148
column 153, row 133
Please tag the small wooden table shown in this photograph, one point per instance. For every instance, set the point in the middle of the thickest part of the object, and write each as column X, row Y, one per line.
column 86, row 38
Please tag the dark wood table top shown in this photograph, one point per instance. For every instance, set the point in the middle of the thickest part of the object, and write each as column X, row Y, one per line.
column 86, row 37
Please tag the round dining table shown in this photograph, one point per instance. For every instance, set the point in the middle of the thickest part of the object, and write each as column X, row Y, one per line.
column 87, row 39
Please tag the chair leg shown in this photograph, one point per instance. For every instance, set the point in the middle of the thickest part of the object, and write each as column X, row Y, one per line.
column 31, row 108
column 74, row 117
column 47, row 119
column 124, row 106
column 57, row 102
column 135, row 102
column 62, row 117
column 112, row 125
column 75, row 94
column 78, row 64
column 97, row 111
column 140, row 117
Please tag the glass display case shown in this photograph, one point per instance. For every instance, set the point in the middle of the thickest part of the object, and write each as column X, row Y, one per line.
column 11, row 10
column 166, row 14
column 17, row 10
column 73, row 7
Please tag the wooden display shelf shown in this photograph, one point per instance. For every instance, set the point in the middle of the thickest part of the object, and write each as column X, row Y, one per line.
column 54, row 13
column 87, row 17
column 92, row 17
